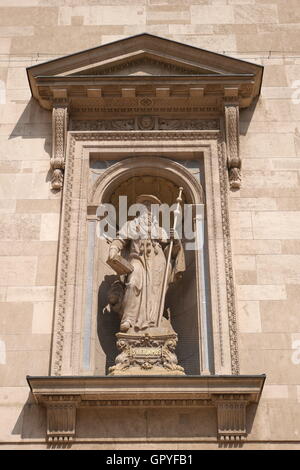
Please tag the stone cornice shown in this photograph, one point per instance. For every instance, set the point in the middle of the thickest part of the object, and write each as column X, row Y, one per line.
column 165, row 69
column 230, row 395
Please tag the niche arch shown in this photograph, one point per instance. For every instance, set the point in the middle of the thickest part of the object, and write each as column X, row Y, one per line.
column 161, row 177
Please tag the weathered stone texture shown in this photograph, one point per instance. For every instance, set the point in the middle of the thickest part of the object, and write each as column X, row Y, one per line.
column 265, row 213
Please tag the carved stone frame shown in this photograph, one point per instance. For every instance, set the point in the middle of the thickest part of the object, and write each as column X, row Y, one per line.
column 67, row 336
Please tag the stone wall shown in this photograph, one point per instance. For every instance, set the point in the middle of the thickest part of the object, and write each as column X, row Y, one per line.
column 265, row 213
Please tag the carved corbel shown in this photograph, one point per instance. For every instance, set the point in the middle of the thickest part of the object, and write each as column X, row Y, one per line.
column 61, row 420
column 59, row 134
column 231, row 413
column 231, row 113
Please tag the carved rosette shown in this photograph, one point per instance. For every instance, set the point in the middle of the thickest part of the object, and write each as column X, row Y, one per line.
column 59, row 132
column 232, row 142
column 146, row 355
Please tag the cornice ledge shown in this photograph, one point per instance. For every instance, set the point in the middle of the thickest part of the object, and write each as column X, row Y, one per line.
column 230, row 395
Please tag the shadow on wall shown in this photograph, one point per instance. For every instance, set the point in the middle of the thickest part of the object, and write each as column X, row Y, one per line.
column 108, row 323
column 246, row 117
column 35, row 123
column 31, row 423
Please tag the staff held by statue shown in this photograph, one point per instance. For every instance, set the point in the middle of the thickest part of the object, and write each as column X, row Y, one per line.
column 166, row 274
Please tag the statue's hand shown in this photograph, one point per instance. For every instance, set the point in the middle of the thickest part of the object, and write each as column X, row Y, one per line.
column 173, row 236
column 113, row 251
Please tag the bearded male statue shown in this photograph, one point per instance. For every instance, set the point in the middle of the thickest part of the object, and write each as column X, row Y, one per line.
column 147, row 246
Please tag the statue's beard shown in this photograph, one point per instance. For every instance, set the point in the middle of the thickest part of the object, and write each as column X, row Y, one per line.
column 148, row 226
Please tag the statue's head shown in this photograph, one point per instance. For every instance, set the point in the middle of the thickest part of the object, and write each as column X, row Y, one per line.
column 147, row 200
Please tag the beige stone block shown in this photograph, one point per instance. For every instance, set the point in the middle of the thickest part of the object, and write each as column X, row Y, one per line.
column 168, row 14
column 203, row 14
column 16, row 317
column 275, row 76
column 104, row 15
column 278, row 225
column 292, row 72
column 268, row 145
column 280, row 368
column 5, row 45
column 241, row 225
column 256, row 247
column 275, row 392
column 274, row 110
column 249, row 317
column 245, row 277
column 278, row 269
column 17, row 270
column 46, row 271
column 20, row 227
column 30, row 294
column 255, row 14
column 280, row 316
column 271, row 340
column 12, row 166
column 10, row 114
column 277, row 93
column 208, row 41
column 290, row 41
column 32, row 186
column 244, row 262
column 261, row 292
column 13, row 31
column 253, row 204
column 258, row 43
column 189, row 29
column 7, row 206
column 290, row 246
column 270, row 179
column 38, row 206
column 288, row 12
column 159, row 29
column 298, row 393
column 49, row 227
column 42, row 318
column 3, row 291
column 27, row 342
column 7, row 186
column 30, row 16
column 20, row 148
column 16, row 78
column 28, row 248
column 22, row 363
column 257, row 164
column 285, row 163
column 234, row 28
column 251, row 362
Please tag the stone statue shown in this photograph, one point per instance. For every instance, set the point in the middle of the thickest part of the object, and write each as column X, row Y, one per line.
column 141, row 304
column 143, row 286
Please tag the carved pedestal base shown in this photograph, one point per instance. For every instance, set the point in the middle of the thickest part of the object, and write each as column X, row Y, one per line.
column 146, row 354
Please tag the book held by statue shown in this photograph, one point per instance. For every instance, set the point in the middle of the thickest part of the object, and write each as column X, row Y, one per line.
column 120, row 265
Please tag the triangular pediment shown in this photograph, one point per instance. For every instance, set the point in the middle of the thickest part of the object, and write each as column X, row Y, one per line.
column 144, row 56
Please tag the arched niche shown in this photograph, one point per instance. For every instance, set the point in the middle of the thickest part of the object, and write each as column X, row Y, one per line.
column 161, row 177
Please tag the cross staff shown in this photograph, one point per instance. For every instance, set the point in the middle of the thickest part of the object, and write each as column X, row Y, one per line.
column 164, row 289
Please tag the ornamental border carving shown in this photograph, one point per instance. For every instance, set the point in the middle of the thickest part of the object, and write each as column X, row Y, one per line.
column 63, row 269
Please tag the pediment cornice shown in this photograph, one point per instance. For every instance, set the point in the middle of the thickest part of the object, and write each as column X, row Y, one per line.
column 141, row 66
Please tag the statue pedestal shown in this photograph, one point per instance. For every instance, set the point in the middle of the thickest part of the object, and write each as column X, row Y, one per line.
column 148, row 353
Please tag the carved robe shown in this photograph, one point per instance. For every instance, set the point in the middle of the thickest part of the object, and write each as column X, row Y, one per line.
column 148, row 256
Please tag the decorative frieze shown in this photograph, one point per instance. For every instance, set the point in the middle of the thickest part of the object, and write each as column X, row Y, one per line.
column 146, row 122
